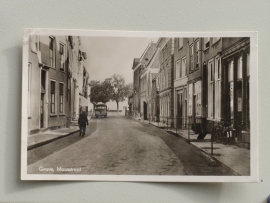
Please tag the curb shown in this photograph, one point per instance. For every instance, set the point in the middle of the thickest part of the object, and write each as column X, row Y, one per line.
column 49, row 141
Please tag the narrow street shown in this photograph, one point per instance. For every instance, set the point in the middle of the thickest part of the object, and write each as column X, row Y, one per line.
column 119, row 145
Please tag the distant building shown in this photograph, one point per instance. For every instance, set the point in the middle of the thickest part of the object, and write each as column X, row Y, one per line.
column 147, row 70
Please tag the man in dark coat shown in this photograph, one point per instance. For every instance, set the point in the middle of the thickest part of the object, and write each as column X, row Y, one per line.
column 82, row 121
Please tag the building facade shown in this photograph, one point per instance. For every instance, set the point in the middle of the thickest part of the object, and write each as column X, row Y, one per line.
column 166, row 79
column 51, row 70
column 180, row 82
column 236, row 85
column 136, row 87
column 149, row 69
column 194, row 95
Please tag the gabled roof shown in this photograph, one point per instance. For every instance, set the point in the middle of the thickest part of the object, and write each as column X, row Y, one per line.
column 135, row 62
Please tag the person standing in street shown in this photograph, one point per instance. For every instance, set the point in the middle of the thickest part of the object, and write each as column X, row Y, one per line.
column 82, row 121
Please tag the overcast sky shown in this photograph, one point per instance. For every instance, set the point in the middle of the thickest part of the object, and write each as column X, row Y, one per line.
column 112, row 55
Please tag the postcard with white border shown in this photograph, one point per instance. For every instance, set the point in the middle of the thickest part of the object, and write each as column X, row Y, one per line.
column 139, row 106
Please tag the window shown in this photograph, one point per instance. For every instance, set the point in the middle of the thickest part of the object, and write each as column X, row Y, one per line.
column 215, row 39
column 191, row 55
column 210, row 88
column 239, row 68
column 29, row 88
column 177, row 70
column 231, row 86
column 248, row 65
column 52, row 97
column 197, row 54
column 190, row 100
column 61, row 97
column 198, row 97
column 180, row 43
column 52, row 52
column 206, row 42
column 62, row 54
column 184, row 68
column 218, row 88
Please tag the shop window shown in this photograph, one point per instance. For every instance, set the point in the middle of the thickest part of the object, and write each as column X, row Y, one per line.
column 231, row 86
column 239, row 68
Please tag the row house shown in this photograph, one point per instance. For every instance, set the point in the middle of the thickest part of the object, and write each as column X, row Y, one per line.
column 134, row 102
column 151, row 67
column 141, row 75
column 181, row 49
column 212, row 84
column 165, row 79
column 49, row 82
column 199, row 82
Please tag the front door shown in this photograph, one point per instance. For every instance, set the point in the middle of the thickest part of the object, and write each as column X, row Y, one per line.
column 42, row 110
column 180, row 110
column 194, row 113
column 144, row 111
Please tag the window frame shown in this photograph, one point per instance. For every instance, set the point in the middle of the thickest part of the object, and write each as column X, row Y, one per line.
column 197, row 51
column 52, row 50
column 61, row 96
column 181, row 69
column 210, row 87
column 52, row 104
column 177, row 67
column 62, row 56
column 191, row 58
column 180, row 46
column 215, row 41
column 217, row 88
column 205, row 46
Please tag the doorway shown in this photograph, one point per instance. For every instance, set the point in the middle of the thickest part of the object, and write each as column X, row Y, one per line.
column 144, row 110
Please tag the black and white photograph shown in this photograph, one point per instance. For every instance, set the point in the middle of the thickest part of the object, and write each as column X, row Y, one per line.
column 139, row 106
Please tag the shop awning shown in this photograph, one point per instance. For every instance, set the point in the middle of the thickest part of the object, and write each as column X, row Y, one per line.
column 83, row 101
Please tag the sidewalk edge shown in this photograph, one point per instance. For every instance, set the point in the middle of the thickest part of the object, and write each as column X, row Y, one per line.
column 49, row 141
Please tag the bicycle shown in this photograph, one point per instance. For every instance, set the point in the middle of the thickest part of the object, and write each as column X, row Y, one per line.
column 222, row 132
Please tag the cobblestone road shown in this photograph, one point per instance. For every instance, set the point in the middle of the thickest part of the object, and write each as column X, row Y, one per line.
column 119, row 145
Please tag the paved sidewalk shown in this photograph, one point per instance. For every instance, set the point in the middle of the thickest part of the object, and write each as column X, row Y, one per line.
column 39, row 139
column 233, row 156
column 237, row 158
